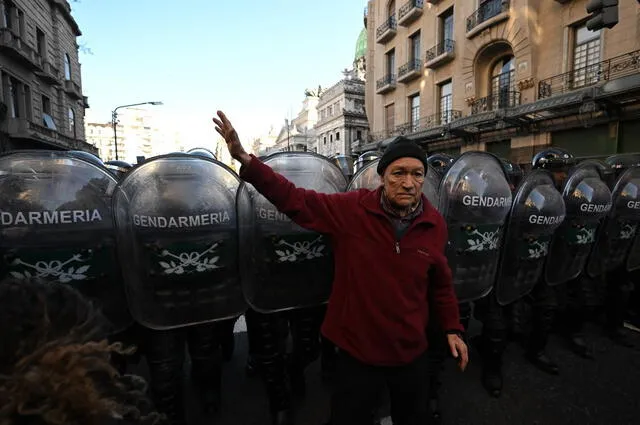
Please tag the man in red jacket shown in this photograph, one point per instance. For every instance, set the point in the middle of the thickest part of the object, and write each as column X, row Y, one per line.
column 389, row 262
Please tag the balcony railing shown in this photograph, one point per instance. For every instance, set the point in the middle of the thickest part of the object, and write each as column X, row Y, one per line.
column 386, row 83
column 500, row 100
column 410, row 11
column 387, row 29
column 426, row 123
column 619, row 66
column 487, row 11
column 440, row 53
column 410, row 70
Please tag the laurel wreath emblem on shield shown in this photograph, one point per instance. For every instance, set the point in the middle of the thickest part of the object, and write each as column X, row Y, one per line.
column 586, row 236
column 189, row 262
column 487, row 241
column 538, row 250
column 628, row 231
column 52, row 269
column 300, row 251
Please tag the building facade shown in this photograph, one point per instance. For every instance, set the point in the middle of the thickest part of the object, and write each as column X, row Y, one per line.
column 299, row 134
column 41, row 101
column 140, row 132
column 343, row 122
column 506, row 76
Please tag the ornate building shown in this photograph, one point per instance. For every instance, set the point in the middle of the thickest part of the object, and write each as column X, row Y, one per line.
column 41, row 101
column 342, row 127
column 506, row 76
column 299, row 134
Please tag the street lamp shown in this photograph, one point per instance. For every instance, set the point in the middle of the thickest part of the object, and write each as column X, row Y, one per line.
column 114, row 120
column 286, row 122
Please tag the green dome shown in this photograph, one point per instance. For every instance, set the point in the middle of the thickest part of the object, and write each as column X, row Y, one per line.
column 361, row 45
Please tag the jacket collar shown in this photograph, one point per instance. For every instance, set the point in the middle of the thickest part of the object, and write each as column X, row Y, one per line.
column 371, row 202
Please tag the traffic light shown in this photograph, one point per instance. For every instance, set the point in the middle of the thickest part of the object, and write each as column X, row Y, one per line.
column 604, row 13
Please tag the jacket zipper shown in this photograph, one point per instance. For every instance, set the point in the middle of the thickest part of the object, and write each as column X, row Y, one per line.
column 397, row 247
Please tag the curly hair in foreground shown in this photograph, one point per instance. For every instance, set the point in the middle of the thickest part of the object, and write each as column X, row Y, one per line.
column 53, row 370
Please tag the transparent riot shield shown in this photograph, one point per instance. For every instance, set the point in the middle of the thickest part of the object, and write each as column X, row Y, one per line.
column 367, row 178
column 537, row 211
column 475, row 199
column 177, row 232
column 587, row 200
column 345, row 163
column 618, row 229
column 56, row 225
column 284, row 266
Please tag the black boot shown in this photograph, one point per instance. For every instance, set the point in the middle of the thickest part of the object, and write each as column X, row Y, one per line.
column 206, row 364
column 543, row 362
column 579, row 346
column 492, row 378
column 282, row 417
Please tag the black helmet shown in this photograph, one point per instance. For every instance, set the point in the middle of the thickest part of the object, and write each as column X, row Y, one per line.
column 513, row 171
column 89, row 157
column 203, row 152
column 552, row 158
column 440, row 161
column 117, row 167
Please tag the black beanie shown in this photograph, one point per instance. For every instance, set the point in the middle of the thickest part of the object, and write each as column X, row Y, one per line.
column 401, row 148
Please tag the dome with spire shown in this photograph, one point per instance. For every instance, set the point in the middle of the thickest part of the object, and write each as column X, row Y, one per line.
column 361, row 45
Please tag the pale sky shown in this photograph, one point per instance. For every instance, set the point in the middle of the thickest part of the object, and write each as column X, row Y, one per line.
column 252, row 59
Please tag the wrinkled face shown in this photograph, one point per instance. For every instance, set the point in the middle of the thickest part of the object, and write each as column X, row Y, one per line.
column 403, row 180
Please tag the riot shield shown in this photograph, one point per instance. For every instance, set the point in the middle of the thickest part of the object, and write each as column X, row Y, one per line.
column 366, row 158
column 633, row 260
column 475, row 199
column 284, row 266
column 368, row 178
column 56, row 225
column 587, row 201
column 537, row 211
column 177, row 232
column 345, row 164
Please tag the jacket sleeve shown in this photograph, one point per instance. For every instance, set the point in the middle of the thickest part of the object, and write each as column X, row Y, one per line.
column 443, row 296
column 320, row 212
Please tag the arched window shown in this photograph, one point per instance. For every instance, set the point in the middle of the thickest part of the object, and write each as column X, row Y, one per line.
column 503, row 81
column 72, row 122
column 67, row 67
column 391, row 9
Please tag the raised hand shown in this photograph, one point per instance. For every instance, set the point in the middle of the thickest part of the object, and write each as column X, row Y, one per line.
column 226, row 130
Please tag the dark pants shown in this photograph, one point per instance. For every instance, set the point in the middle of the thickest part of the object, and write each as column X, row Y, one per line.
column 358, row 386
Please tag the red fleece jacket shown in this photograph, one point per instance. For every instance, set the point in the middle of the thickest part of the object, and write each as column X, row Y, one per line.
column 378, row 310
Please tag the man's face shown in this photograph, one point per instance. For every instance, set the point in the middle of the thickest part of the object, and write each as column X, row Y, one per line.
column 403, row 180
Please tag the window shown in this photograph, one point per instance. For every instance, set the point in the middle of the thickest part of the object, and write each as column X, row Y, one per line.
column 390, row 59
column 446, row 95
column 331, row 138
column 46, row 105
column 40, row 42
column 47, row 119
column 391, row 9
column 9, row 7
column 586, row 56
column 14, row 94
column 67, row 67
column 414, row 46
column 325, row 140
column 446, row 26
column 389, row 118
column 72, row 123
column 338, row 135
column 503, row 82
column 358, row 135
column 414, row 108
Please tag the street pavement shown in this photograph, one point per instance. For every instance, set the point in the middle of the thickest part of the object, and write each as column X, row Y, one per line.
column 603, row 391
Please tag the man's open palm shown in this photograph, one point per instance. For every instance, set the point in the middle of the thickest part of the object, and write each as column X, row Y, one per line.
column 226, row 130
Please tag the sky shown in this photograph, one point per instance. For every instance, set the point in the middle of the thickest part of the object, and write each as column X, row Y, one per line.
column 252, row 59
